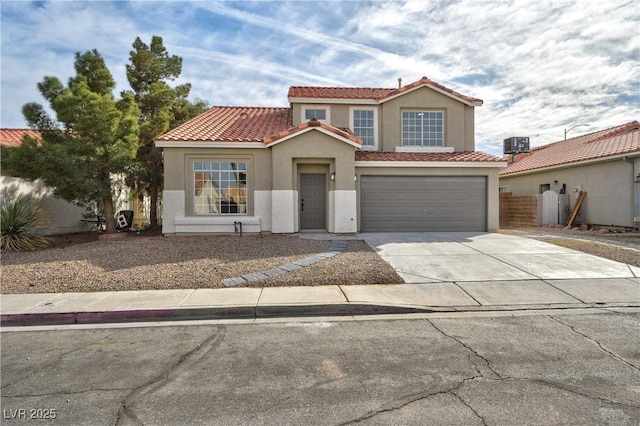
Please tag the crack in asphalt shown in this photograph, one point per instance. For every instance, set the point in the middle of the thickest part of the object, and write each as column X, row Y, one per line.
column 67, row 392
column 473, row 353
column 410, row 399
column 127, row 409
column 486, row 371
column 54, row 361
column 480, row 364
column 570, row 390
column 619, row 358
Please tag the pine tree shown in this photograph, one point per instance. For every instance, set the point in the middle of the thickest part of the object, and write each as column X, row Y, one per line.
column 93, row 137
column 161, row 106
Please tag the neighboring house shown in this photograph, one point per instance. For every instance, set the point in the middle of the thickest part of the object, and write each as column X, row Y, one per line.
column 62, row 216
column 605, row 164
column 342, row 160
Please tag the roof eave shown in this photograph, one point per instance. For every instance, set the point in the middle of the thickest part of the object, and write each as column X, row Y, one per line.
column 475, row 102
column 623, row 156
column 208, row 144
column 310, row 128
column 443, row 164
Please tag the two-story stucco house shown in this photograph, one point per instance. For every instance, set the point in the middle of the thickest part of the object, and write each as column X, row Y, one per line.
column 340, row 159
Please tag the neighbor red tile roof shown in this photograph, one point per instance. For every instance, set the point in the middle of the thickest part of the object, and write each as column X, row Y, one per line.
column 345, row 133
column 465, row 156
column 377, row 94
column 13, row 137
column 624, row 139
column 233, row 124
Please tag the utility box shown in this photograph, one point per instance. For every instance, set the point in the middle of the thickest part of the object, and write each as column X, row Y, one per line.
column 516, row 145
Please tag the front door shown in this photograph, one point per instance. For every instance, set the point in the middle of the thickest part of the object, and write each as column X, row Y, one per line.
column 312, row 201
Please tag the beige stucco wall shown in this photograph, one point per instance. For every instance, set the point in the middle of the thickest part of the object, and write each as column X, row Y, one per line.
column 491, row 173
column 458, row 127
column 313, row 147
column 459, row 118
column 177, row 169
column 609, row 187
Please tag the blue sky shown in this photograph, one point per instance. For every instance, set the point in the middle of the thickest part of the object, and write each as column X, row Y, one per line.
column 540, row 66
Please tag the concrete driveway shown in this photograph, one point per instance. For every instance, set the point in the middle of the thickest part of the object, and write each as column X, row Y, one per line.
column 434, row 257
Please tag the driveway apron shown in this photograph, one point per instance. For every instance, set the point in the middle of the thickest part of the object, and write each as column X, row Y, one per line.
column 433, row 257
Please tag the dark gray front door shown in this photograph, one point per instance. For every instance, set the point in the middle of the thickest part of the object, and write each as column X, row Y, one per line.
column 312, row 201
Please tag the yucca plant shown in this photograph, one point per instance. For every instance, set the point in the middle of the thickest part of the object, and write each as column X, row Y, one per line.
column 22, row 223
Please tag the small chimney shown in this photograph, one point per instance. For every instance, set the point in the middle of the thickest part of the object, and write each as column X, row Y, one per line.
column 399, row 82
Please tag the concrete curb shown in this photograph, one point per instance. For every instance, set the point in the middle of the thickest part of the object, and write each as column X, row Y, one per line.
column 208, row 313
column 273, row 311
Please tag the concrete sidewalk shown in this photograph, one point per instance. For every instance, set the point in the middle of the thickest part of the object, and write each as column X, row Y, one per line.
column 444, row 272
column 231, row 303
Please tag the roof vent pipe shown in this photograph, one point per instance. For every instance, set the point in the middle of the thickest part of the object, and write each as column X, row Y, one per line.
column 399, row 82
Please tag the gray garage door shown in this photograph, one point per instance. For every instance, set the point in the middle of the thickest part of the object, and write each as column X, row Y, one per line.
column 423, row 203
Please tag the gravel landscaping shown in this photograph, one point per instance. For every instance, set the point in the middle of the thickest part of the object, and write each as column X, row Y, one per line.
column 621, row 247
column 148, row 263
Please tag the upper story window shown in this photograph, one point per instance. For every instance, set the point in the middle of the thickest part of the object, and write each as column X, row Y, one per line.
column 423, row 128
column 220, row 187
column 363, row 123
column 320, row 112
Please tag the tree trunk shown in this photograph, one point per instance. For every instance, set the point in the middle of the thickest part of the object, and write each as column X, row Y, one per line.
column 153, row 206
column 107, row 211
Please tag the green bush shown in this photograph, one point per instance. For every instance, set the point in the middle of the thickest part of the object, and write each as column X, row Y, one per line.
column 22, row 222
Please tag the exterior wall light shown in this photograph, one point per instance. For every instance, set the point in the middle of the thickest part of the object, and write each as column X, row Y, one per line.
column 355, row 178
column 333, row 176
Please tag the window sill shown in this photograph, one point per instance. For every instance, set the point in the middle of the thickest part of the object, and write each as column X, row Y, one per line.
column 216, row 224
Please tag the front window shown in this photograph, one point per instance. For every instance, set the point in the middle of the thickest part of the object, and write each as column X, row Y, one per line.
column 220, row 187
column 320, row 114
column 363, row 126
column 423, row 128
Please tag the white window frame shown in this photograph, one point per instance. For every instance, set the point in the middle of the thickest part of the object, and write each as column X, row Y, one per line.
column 217, row 203
column 417, row 110
column 326, row 108
column 352, row 111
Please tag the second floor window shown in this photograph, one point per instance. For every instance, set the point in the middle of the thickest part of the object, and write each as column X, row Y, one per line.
column 423, row 128
column 320, row 114
column 363, row 126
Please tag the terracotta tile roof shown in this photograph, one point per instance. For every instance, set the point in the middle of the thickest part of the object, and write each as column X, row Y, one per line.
column 233, row 124
column 337, row 92
column 601, row 144
column 347, row 134
column 13, row 137
column 377, row 94
column 465, row 156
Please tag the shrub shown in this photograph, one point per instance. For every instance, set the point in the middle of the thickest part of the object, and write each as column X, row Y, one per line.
column 21, row 223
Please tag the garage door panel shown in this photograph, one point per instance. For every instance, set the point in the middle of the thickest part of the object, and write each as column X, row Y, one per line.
column 423, row 203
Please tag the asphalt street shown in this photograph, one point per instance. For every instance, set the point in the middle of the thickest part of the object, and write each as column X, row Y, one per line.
column 553, row 368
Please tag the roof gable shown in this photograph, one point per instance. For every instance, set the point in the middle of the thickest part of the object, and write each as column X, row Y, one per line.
column 378, row 95
column 620, row 140
column 314, row 124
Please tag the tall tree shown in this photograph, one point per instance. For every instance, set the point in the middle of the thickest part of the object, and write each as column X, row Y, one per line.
column 162, row 107
column 93, row 137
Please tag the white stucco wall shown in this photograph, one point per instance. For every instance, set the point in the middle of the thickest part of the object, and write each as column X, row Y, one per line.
column 262, row 208
column 62, row 217
column 343, row 212
column 284, row 211
column 173, row 202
